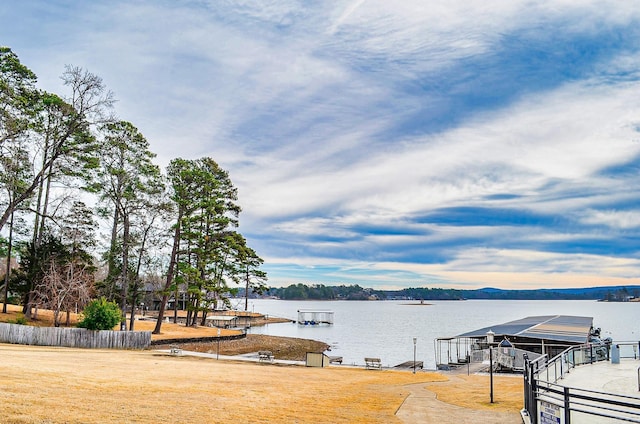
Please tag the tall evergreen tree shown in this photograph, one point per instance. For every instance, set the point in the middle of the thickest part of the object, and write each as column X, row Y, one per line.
column 129, row 184
column 207, row 214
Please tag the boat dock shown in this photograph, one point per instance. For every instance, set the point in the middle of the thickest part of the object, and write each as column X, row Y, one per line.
column 409, row 365
column 314, row 317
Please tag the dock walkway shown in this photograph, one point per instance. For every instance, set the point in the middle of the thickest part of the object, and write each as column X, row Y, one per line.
column 408, row 365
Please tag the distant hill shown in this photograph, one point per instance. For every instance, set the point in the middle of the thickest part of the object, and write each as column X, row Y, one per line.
column 355, row 292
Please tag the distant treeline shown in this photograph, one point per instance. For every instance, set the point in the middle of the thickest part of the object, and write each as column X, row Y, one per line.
column 355, row 292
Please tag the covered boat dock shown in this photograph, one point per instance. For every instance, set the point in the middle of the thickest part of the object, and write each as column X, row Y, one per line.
column 314, row 317
column 535, row 335
column 221, row 321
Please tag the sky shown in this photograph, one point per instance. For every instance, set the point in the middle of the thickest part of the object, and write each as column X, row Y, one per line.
column 442, row 143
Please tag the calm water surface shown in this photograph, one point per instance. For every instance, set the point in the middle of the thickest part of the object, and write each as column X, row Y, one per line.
column 386, row 329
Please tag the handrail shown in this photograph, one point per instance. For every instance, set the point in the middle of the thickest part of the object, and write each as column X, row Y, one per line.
column 541, row 376
column 570, row 358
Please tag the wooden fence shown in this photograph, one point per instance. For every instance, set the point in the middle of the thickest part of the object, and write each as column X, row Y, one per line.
column 74, row 337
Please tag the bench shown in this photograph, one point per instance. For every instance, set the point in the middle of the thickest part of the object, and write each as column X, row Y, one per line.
column 373, row 363
column 265, row 356
column 175, row 350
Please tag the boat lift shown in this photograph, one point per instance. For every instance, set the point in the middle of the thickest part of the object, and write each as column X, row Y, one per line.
column 314, row 317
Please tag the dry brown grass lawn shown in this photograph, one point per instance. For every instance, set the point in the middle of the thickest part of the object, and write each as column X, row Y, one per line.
column 44, row 317
column 473, row 392
column 53, row 385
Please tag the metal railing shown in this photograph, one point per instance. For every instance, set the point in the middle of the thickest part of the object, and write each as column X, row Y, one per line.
column 541, row 386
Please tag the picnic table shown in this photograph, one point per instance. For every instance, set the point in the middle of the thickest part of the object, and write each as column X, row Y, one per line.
column 265, row 356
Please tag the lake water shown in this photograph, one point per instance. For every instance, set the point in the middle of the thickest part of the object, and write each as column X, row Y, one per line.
column 385, row 329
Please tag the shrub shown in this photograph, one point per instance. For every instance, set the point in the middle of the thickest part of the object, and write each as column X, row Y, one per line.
column 20, row 319
column 100, row 315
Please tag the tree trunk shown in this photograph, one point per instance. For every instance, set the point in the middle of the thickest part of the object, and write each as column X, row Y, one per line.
column 134, row 295
column 112, row 253
column 170, row 272
column 246, row 292
column 125, row 266
column 8, row 269
column 39, row 225
column 136, row 277
column 56, row 319
column 175, row 304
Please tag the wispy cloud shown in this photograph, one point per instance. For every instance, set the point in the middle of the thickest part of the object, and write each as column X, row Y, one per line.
column 389, row 144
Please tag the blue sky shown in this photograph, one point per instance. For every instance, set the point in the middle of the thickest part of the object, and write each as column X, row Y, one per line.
column 390, row 144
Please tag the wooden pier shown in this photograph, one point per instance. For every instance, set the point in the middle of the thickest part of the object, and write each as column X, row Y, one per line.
column 409, row 365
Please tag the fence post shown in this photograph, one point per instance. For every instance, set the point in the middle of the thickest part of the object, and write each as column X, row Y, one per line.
column 491, row 371
column 567, row 410
column 533, row 387
column 527, row 386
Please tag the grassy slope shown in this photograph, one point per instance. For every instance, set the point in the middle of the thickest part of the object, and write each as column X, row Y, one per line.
column 71, row 385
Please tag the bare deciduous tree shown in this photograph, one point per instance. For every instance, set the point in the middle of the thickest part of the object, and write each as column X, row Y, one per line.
column 66, row 286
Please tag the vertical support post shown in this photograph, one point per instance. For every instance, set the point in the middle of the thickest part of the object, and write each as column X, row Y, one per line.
column 527, row 386
column 491, row 372
column 415, row 341
column 218, row 350
column 533, row 402
column 567, row 409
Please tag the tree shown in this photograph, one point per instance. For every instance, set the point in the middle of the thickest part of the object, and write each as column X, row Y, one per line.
column 65, row 271
column 57, row 142
column 17, row 89
column 183, row 181
column 78, row 232
column 11, row 177
column 129, row 184
column 66, row 283
column 59, row 131
column 207, row 212
column 246, row 268
column 210, row 224
column 148, row 234
column 100, row 314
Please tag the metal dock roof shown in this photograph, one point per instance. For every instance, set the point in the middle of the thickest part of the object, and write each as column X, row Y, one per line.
column 563, row 328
